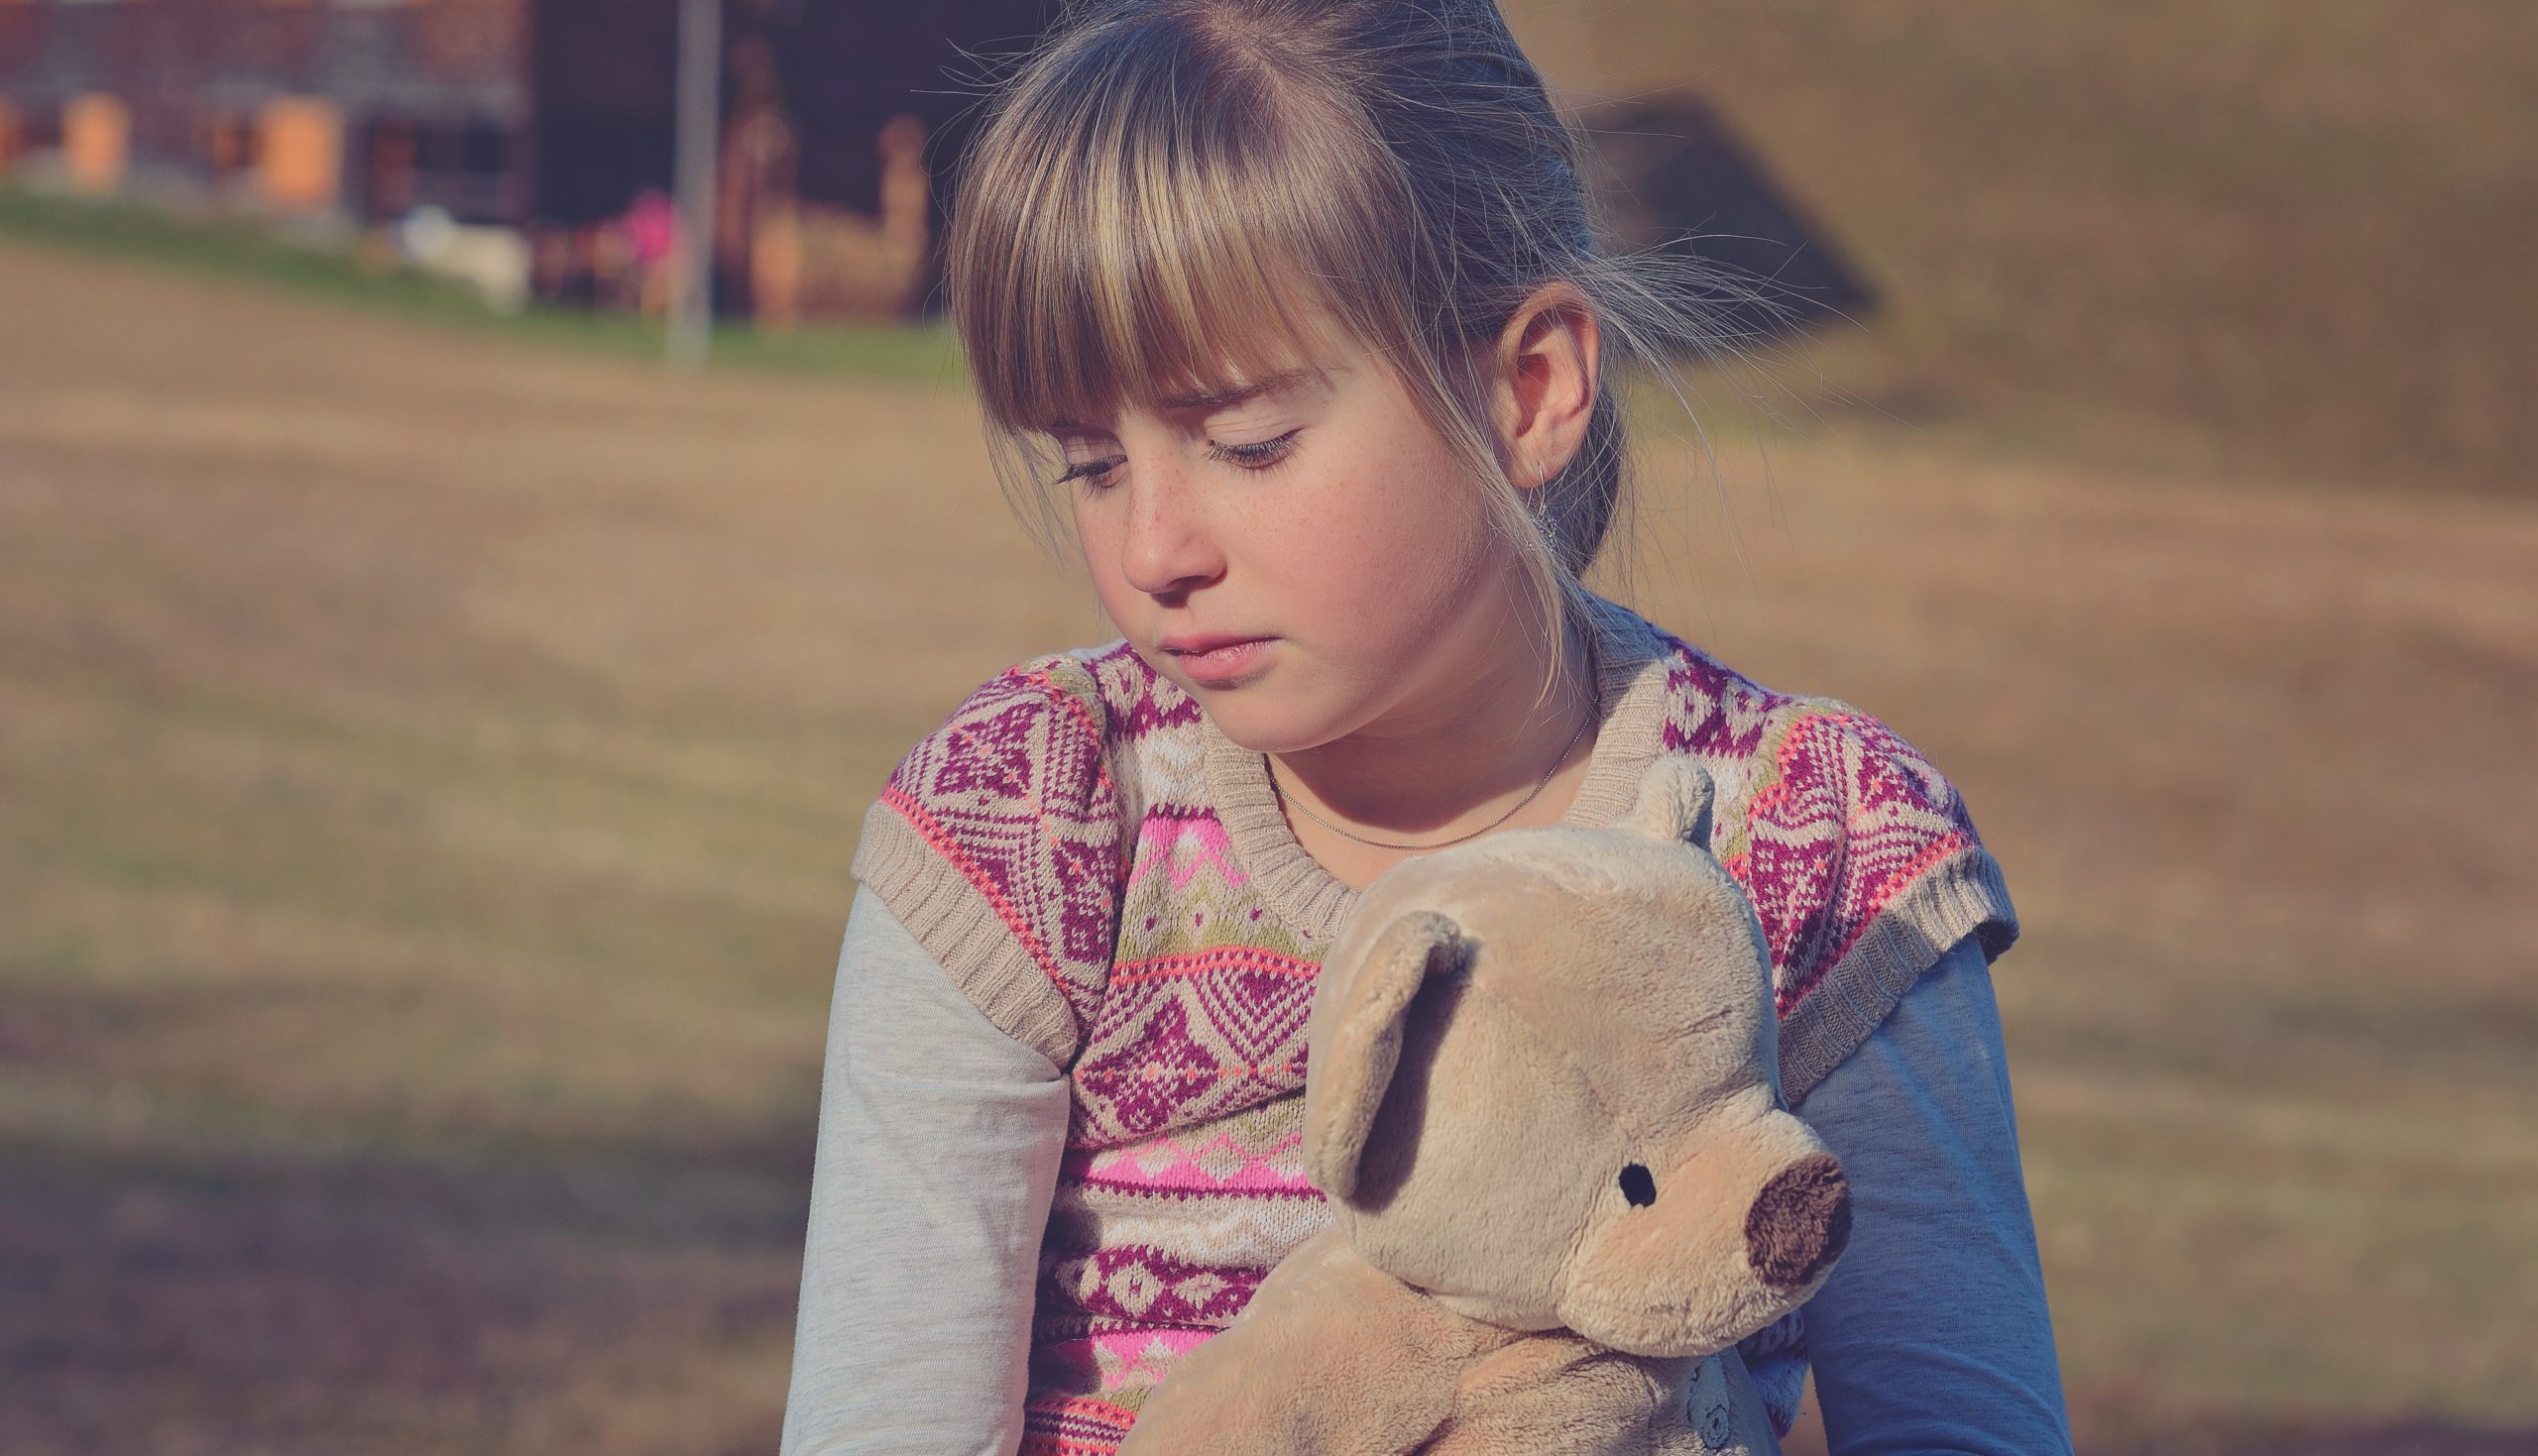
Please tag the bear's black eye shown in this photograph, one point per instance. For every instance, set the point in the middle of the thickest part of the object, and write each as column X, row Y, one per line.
column 1638, row 1187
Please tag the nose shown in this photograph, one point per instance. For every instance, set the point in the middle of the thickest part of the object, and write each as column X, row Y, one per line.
column 1167, row 548
column 1800, row 1224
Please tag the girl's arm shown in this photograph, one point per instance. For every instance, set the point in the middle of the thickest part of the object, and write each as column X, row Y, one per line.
column 938, row 1156
column 1932, row 1335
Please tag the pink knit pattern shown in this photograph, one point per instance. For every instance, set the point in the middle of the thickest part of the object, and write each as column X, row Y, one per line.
column 1067, row 793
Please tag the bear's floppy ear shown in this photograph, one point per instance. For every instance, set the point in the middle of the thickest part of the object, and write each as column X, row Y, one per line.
column 1675, row 797
column 1354, row 1063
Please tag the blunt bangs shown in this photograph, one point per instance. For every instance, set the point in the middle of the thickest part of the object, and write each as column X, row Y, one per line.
column 1151, row 215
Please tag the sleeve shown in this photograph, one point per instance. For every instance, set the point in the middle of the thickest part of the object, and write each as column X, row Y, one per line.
column 1863, row 867
column 997, row 844
column 939, row 1142
column 1932, row 1334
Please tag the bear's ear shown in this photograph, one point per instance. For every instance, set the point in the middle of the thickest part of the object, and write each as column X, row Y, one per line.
column 1352, row 1065
column 1675, row 797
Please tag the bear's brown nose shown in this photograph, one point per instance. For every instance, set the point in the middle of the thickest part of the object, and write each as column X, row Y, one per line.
column 1800, row 1222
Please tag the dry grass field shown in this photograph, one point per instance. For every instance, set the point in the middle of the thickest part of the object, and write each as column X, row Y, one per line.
column 2287, row 237
column 428, row 766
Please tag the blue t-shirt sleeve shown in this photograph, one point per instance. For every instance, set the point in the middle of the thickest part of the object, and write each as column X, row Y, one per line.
column 1932, row 1334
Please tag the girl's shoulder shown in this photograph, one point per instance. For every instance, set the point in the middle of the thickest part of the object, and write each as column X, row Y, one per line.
column 1106, row 693
column 996, row 838
column 1045, row 724
column 1860, row 856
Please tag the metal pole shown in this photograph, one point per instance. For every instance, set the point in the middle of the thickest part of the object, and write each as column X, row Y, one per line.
column 700, row 74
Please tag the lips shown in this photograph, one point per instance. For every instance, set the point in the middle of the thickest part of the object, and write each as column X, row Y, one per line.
column 1218, row 662
column 1200, row 647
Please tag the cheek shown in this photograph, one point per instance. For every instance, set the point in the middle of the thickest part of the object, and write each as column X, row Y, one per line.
column 1410, row 517
column 1400, row 484
column 1097, row 548
column 1091, row 544
column 1099, row 517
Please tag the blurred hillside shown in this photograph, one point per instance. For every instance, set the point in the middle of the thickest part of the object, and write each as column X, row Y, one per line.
column 2283, row 240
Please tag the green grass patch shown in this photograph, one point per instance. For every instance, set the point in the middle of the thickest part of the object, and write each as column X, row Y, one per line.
column 245, row 247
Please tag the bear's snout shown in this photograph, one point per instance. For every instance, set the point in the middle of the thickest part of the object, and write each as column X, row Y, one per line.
column 1800, row 1224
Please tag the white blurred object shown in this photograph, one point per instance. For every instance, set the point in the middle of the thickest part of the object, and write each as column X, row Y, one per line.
column 494, row 260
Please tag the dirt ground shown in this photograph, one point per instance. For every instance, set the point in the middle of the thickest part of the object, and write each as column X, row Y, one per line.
column 429, row 768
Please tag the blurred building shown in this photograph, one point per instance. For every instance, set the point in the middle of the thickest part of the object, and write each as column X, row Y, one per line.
column 549, row 121
column 528, row 143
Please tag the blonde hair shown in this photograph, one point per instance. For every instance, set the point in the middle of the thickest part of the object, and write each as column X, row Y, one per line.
column 1170, row 189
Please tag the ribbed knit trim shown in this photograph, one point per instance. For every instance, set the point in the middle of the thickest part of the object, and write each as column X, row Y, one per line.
column 1315, row 903
column 1961, row 896
column 954, row 919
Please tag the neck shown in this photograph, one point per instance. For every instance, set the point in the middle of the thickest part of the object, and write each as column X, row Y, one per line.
column 1466, row 744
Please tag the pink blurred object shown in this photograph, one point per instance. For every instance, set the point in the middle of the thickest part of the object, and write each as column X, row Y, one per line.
column 651, row 227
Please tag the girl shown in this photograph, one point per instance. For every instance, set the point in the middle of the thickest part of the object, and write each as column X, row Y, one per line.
column 1296, row 306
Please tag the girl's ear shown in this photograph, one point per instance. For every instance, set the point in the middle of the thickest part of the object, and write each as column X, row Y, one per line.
column 1543, row 392
column 1352, row 1064
column 1674, row 801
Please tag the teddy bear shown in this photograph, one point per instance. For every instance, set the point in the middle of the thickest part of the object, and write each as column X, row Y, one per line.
column 1542, row 1097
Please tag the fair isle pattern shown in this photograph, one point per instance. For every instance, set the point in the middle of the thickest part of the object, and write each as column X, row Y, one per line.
column 1852, row 816
column 1016, row 796
column 1858, row 857
column 1151, row 1248
column 1207, row 996
column 1080, row 1425
column 1067, row 839
column 1828, row 815
column 1178, row 1229
column 1183, row 1182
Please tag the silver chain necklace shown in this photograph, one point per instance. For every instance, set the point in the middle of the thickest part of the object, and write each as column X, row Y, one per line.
column 1593, row 711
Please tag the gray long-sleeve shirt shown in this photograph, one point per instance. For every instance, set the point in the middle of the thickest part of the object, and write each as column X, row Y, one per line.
column 939, row 1138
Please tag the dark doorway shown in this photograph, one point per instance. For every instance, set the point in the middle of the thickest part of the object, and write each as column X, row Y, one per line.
column 604, row 73
column 1672, row 176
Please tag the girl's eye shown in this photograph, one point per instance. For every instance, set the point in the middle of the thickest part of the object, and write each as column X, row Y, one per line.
column 1094, row 472
column 1255, row 457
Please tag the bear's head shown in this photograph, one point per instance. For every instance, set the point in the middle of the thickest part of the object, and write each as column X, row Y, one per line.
column 1543, row 1086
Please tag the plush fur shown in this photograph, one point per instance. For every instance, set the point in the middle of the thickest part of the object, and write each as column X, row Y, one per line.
column 1542, row 1097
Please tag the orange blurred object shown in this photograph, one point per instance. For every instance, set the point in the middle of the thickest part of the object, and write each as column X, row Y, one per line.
column 300, row 161
column 96, row 141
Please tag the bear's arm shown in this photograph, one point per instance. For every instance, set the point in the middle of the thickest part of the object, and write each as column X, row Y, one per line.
column 1331, row 1356
column 1560, row 1395
column 1565, row 1396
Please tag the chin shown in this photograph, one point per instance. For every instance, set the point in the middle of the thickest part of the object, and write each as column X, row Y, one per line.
column 1258, row 723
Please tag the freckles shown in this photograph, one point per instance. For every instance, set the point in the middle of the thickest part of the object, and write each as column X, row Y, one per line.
column 1097, row 548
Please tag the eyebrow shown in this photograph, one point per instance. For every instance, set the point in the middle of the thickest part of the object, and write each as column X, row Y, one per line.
column 1225, row 398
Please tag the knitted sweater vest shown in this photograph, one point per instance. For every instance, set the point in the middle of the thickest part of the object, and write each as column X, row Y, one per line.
column 1111, row 881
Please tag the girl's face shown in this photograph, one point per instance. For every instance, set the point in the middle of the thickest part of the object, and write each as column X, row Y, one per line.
column 1305, row 555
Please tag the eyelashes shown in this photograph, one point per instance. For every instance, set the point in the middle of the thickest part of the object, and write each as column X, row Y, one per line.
column 1257, row 456
column 1253, row 457
column 1092, row 471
